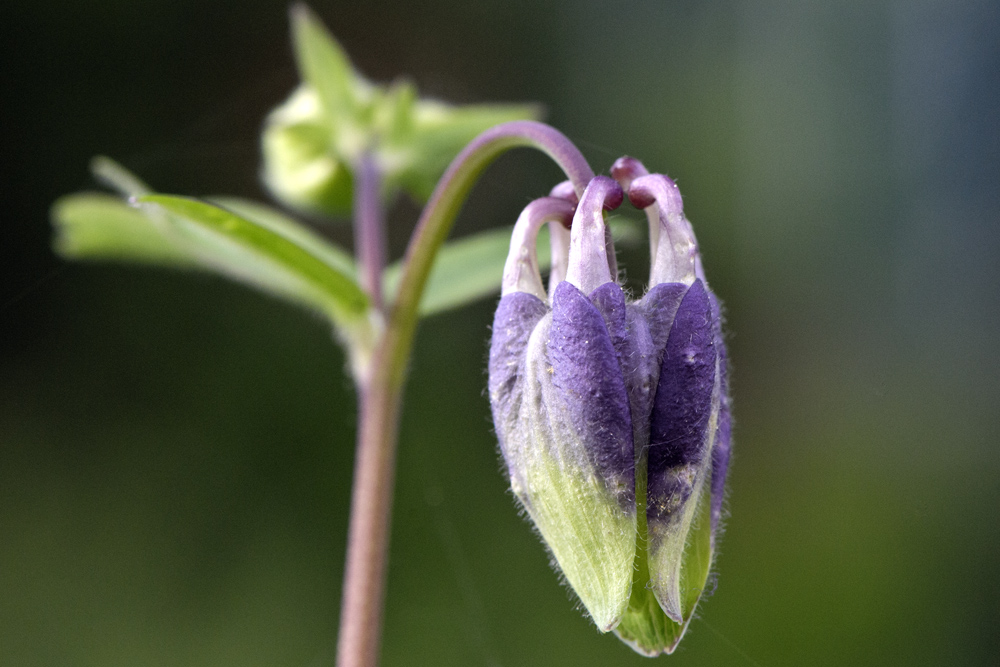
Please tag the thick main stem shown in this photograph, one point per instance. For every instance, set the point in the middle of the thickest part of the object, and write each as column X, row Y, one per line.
column 368, row 533
column 374, row 470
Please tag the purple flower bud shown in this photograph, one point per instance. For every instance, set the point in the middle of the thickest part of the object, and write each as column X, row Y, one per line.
column 613, row 416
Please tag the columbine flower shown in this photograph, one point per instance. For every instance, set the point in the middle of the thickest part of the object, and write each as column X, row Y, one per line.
column 613, row 416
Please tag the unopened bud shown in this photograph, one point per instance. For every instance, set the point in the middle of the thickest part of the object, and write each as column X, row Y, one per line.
column 613, row 416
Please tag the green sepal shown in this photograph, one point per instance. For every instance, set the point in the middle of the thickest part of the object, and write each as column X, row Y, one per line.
column 680, row 548
column 644, row 626
column 591, row 536
column 673, row 561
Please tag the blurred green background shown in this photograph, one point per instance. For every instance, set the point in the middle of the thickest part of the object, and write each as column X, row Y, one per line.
column 176, row 451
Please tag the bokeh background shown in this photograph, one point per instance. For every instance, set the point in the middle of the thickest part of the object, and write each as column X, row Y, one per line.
column 176, row 451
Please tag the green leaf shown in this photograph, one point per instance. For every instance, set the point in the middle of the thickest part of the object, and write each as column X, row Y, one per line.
column 256, row 254
column 92, row 226
column 249, row 242
column 293, row 230
column 471, row 268
column 466, row 270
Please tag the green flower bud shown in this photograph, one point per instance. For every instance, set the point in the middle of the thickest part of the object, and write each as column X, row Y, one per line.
column 302, row 167
column 313, row 143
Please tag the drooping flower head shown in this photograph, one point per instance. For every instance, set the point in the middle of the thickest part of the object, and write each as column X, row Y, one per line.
column 613, row 416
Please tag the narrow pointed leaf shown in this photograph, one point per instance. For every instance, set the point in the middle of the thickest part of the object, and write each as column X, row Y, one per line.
column 291, row 229
column 92, row 226
column 254, row 254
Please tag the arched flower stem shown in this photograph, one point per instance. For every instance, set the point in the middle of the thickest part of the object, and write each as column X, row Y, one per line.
column 381, row 391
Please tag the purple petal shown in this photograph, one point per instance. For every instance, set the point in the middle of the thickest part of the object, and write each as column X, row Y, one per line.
column 659, row 307
column 609, row 299
column 648, row 323
column 515, row 319
column 683, row 402
column 589, row 380
column 639, row 351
